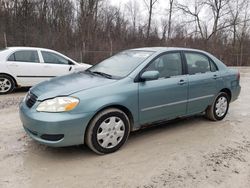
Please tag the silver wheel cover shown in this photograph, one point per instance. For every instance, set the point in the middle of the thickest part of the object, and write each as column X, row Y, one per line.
column 5, row 85
column 221, row 106
column 110, row 132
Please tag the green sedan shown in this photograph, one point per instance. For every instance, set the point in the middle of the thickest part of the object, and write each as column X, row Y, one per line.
column 100, row 106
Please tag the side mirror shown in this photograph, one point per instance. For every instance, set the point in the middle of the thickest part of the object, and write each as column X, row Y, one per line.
column 70, row 62
column 150, row 75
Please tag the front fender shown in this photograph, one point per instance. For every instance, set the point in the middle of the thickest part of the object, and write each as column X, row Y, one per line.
column 96, row 99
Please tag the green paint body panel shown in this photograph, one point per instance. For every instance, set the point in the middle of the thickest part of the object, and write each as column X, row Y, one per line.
column 148, row 101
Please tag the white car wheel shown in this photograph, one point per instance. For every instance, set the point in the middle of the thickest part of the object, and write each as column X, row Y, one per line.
column 6, row 84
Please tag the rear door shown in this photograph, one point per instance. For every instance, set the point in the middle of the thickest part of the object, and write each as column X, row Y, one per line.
column 55, row 64
column 203, row 76
column 26, row 66
column 166, row 97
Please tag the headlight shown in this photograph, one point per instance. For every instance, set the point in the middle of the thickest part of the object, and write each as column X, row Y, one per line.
column 58, row 104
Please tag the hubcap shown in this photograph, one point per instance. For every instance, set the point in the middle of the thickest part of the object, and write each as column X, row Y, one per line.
column 221, row 106
column 5, row 85
column 110, row 132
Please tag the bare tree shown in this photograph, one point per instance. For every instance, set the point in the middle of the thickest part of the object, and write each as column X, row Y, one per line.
column 150, row 5
column 239, row 18
column 235, row 8
column 132, row 8
column 90, row 30
column 219, row 9
column 164, row 25
column 194, row 12
column 171, row 3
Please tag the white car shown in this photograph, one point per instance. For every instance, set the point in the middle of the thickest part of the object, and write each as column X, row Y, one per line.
column 28, row 66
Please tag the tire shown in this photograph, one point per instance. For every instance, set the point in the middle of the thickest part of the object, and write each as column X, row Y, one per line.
column 108, row 131
column 218, row 110
column 7, row 84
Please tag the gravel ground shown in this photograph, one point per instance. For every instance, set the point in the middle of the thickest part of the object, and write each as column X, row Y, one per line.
column 191, row 152
column 13, row 99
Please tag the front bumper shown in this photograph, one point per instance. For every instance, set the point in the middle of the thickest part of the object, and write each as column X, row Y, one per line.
column 54, row 129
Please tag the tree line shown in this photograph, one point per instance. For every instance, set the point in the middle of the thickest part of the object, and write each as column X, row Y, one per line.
column 91, row 30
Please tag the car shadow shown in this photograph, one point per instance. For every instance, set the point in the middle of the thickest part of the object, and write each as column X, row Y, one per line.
column 21, row 90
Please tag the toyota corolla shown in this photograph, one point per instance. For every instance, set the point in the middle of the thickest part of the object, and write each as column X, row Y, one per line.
column 100, row 106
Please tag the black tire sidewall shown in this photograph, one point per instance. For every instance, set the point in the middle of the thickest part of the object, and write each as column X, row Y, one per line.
column 12, row 84
column 214, row 107
column 94, row 141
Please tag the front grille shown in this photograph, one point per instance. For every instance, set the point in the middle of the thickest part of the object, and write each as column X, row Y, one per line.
column 30, row 99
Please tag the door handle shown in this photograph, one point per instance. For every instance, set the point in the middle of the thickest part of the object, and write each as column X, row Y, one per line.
column 13, row 65
column 182, row 82
column 70, row 68
column 215, row 76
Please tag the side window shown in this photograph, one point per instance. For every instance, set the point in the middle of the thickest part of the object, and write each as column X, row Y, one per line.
column 197, row 63
column 168, row 65
column 30, row 56
column 53, row 58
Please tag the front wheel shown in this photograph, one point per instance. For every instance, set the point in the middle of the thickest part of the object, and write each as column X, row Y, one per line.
column 218, row 110
column 108, row 131
column 7, row 84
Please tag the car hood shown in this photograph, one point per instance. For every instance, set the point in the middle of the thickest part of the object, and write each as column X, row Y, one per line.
column 69, row 84
column 81, row 67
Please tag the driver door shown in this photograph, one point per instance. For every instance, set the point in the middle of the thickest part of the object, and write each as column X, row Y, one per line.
column 55, row 64
column 166, row 97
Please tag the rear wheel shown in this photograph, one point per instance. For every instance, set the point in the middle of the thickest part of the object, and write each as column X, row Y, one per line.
column 108, row 131
column 218, row 110
column 7, row 84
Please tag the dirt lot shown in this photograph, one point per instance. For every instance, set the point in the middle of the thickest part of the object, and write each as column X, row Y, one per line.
column 192, row 152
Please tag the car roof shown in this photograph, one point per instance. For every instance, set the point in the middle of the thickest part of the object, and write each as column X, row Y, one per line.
column 27, row 48
column 161, row 49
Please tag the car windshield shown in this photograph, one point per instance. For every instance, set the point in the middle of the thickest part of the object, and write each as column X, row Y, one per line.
column 121, row 64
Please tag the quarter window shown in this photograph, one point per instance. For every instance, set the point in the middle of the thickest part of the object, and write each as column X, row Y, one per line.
column 30, row 56
column 53, row 58
column 168, row 65
column 213, row 66
column 198, row 63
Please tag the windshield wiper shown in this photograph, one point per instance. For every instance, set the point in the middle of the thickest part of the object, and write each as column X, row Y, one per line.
column 102, row 74
column 88, row 71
